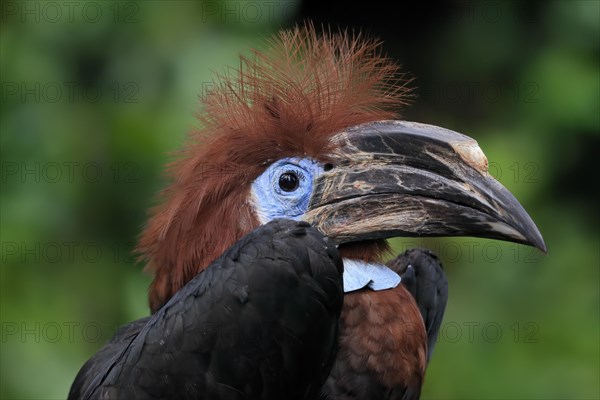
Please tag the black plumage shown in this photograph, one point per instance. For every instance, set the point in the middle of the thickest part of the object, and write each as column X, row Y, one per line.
column 423, row 275
column 261, row 322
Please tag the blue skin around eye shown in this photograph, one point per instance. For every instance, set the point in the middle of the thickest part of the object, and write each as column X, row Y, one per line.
column 272, row 202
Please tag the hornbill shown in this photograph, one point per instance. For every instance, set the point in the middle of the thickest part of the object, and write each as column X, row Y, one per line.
column 267, row 250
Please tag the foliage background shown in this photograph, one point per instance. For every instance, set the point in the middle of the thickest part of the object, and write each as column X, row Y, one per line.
column 93, row 103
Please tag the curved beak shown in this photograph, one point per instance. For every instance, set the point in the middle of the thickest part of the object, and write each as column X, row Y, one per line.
column 397, row 178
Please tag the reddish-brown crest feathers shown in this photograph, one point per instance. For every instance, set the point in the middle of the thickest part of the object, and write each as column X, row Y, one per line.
column 285, row 101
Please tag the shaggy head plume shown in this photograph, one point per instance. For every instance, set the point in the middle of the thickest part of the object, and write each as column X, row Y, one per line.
column 288, row 100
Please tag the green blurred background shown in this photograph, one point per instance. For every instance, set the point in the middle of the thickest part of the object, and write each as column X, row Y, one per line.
column 96, row 94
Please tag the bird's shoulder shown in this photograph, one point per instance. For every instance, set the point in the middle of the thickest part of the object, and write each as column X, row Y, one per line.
column 277, row 288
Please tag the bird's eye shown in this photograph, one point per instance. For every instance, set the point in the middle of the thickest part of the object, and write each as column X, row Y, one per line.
column 289, row 181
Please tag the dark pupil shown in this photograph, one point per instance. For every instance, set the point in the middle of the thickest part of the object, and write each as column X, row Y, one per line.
column 289, row 181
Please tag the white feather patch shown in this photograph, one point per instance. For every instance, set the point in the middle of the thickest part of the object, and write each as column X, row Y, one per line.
column 359, row 274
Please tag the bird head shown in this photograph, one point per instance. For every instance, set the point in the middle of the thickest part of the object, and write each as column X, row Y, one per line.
column 308, row 129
